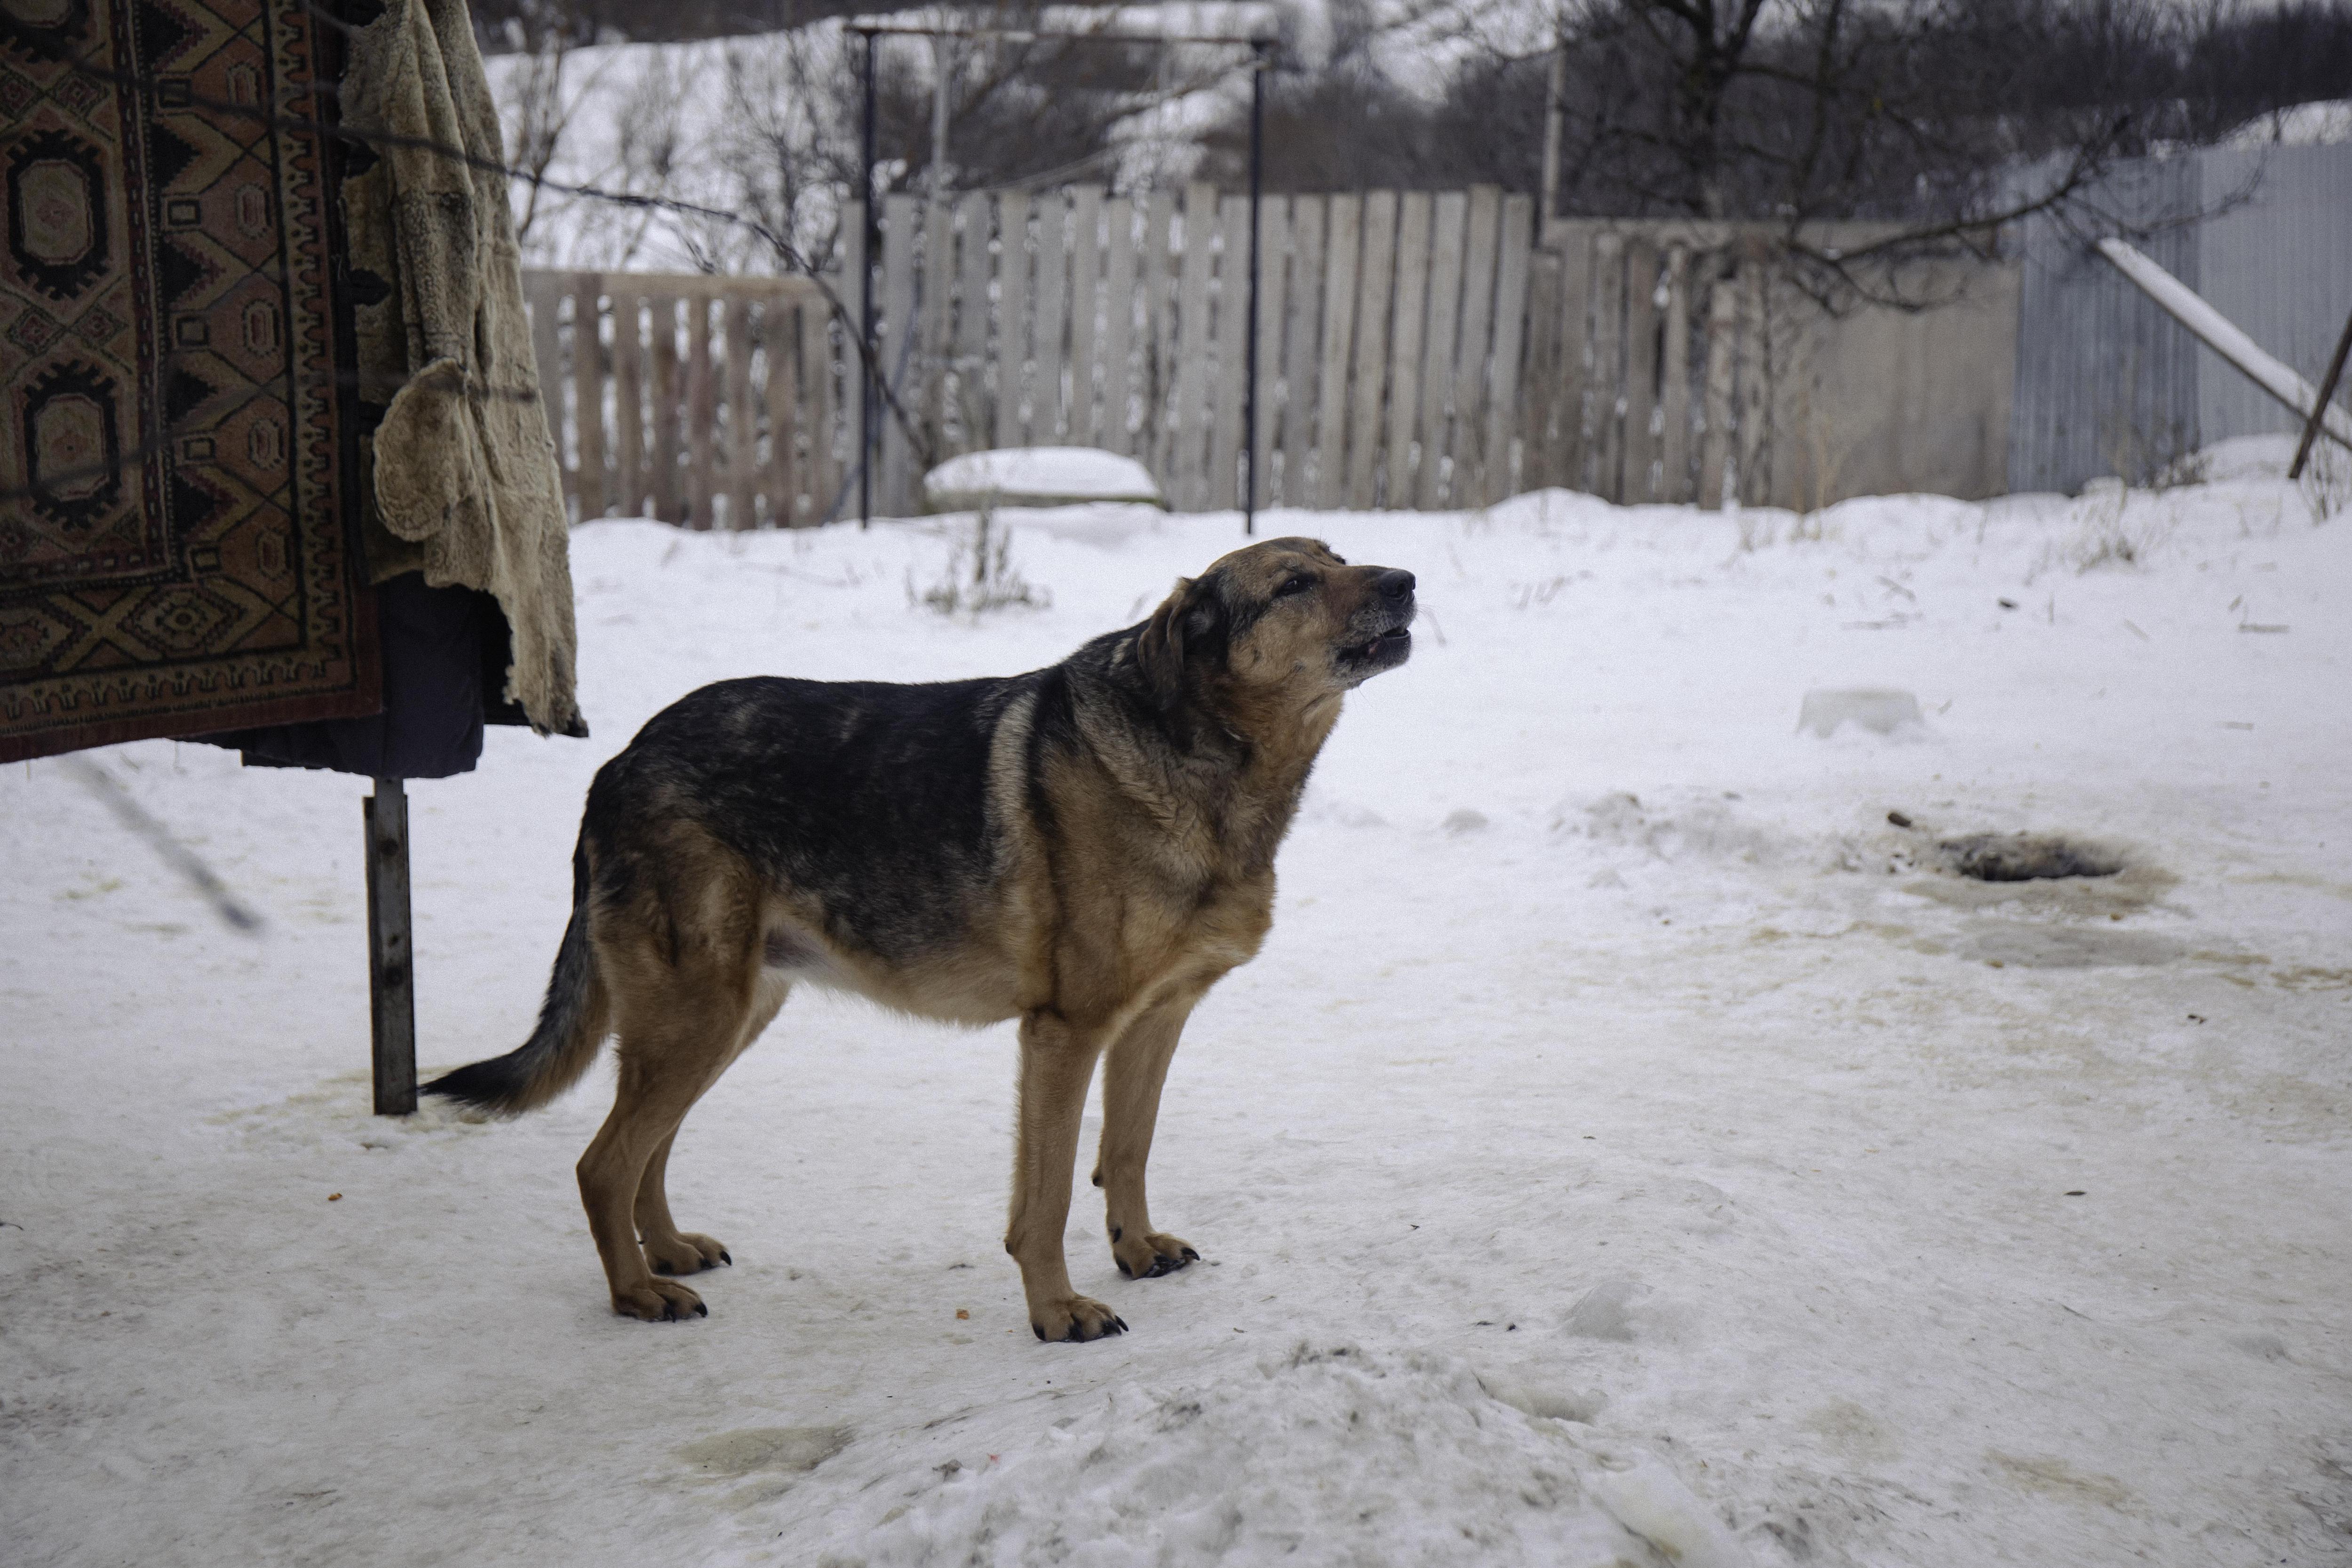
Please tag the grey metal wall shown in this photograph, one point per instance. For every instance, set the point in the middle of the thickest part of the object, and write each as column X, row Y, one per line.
column 2280, row 266
column 2108, row 383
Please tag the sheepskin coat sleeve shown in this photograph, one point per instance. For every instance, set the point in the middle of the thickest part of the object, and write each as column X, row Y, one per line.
column 462, row 476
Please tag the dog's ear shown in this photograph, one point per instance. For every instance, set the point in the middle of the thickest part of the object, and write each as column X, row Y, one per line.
column 1160, row 650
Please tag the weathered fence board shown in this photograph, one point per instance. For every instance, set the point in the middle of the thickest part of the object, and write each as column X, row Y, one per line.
column 1309, row 221
column 1446, row 239
column 1412, row 313
column 1377, row 271
column 1232, row 340
column 1086, row 308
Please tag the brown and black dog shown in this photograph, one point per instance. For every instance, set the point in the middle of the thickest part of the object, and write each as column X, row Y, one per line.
column 1085, row 847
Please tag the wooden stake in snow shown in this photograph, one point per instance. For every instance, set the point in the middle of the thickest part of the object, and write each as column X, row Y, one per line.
column 392, row 978
column 2222, row 335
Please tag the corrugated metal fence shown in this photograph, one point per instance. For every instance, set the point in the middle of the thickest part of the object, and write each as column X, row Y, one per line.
column 2108, row 383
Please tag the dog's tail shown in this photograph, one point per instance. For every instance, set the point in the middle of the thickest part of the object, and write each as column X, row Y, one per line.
column 572, row 1022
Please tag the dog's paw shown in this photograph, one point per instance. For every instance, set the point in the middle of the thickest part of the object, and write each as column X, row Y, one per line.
column 659, row 1301
column 685, row 1253
column 1075, row 1319
column 1149, row 1256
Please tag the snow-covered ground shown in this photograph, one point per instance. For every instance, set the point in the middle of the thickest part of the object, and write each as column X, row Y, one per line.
column 1922, row 1221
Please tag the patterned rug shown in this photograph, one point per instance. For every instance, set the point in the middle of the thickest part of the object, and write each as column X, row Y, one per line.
column 175, row 556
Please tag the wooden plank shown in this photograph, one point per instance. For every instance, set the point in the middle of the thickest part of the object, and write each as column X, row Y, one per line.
column 1574, row 356
column 1641, row 368
column 1674, row 381
column 1273, row 308
column 1448, row 235
column 780, row 398
column 1500, row 478
column 1050, row 323
column 392, row 968
column 629, row 402
column 667, row 412
column 1011, row 318
column 543, row 290
column 850, row 285
column 701, row 414
column 1375, row 298
column 934, row 348
column 588, row 391
column 1156, row 269
column 900, row 368
column 1541, row 391
column 1722, row 340
column 1086, row 308
column 1115, row 432
column 1755, row 387
column 1232, row 346
column 1188, row 422
column 1607, row 442
column 1471, row 352
column 973, row 416
column 1342, row 249
column 822, row 411
column 742, row 424
column 1309, row 225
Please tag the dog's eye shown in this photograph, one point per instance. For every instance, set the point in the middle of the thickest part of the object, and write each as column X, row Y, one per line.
column 1296, row 585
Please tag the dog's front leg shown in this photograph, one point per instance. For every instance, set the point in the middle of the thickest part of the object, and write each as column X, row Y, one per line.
column 1133, row 1075
column 1057, row 1061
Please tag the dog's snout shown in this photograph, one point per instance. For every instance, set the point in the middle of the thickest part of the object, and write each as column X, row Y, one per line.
column 1394, row 585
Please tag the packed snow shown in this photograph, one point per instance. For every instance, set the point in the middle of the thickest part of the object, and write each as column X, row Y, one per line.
column 1925, row 1221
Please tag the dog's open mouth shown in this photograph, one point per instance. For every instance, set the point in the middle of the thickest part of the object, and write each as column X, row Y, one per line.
column 1388, row 647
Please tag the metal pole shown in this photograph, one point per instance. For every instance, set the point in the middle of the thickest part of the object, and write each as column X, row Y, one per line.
column 2319, row 404
column 869, row 396
column 391, row 971
column 1257, row 197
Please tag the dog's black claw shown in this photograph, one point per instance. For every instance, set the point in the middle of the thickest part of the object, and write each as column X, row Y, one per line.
column 1191, row 1256
column 700, row 1310
column 1121, row 1323
column 726, row 1257
column 1123, row 1268
column 1039, row 1330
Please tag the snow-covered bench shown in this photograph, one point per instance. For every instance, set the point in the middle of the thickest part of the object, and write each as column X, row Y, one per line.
column 1037, row 476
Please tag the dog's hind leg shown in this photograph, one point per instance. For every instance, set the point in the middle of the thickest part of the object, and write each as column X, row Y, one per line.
column 1057, row 1059
column 1133, row 1072
column 682, row 1020
column 668, row 1248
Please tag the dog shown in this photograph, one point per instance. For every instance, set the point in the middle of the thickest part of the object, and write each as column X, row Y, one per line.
column 1087, row 848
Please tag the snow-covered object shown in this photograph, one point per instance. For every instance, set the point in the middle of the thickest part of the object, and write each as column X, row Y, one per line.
column 1880, row 712
column 2325, row 123
column 2225, row 337
column 1651, row 1501
column 1037, row 476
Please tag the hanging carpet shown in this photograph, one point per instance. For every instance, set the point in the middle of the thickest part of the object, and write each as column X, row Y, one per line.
column 175, row 553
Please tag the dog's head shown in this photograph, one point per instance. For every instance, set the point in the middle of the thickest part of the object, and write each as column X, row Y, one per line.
column 1285, row 622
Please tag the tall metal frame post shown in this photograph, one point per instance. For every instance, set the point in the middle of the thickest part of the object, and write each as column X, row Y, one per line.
column 869, row 395
column 1258, row 192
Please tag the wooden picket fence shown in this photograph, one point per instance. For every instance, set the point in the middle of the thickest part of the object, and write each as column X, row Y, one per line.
column 1416, row 350
column 716, row 402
